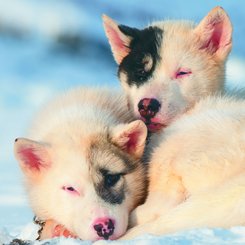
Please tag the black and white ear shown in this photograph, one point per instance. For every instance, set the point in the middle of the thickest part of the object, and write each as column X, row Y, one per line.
column 33, row 157
column 119, row 41
column 215, row 33
column 131, row 137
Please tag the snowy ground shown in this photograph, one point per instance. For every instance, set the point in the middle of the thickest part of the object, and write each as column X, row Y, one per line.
column 233, row 236
column 49, row 46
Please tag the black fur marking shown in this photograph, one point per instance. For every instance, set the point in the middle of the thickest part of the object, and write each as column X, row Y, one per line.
column 113, row 191
column 110, row 179
column 110, row 194
column 110, row 166
column 145, row 43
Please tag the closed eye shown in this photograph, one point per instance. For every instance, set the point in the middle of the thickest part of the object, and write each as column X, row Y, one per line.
column 70, row 189
column 181, row 73
column 111, row 179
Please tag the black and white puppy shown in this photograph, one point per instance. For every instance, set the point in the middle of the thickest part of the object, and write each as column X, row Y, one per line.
column 168, row 66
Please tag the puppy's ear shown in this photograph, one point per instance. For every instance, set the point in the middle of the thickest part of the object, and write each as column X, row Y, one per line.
column 131, row 137
column 215, row 33
column 33, row 157
column 119, row 37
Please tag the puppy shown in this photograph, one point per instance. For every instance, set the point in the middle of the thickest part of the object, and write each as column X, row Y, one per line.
column 197, row 172
column 174, row 70
column 167, row 67
column 81, row 164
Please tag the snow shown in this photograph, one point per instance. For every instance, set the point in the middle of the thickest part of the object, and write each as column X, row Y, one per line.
column 50, row 46
column 203, row 236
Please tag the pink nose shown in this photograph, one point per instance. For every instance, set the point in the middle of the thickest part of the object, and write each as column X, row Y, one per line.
column 104, row 227
column 148, row 108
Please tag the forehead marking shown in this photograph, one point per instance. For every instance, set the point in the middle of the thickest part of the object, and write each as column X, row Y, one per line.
column 105, row 150
column 145, row 45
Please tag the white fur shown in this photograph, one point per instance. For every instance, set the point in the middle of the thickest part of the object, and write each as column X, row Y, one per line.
column 197, row 173
column 62, row 137
column 184, row 45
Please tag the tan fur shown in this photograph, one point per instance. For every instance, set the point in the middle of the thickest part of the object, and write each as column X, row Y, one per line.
column 196, row 176
column 197, row 173
column 74, row 139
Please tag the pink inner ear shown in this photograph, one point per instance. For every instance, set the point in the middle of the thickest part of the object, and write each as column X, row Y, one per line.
column 115, row 38
column 120, row 48
column 217, row 34
column 132, row 142
column 218, row 37
column 31, row 159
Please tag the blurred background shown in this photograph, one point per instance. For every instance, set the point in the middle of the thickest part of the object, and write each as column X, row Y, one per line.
column 48, row 46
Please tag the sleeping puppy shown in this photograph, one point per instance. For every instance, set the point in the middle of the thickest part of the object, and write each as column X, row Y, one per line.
column 82, row 165
column 167, row 67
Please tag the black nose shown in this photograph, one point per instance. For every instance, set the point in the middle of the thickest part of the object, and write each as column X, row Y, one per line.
column 148, row 107
column 105, row 229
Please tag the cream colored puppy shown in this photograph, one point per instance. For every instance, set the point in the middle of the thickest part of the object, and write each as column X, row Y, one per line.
column 81, row 164
column 196, row 170
column 197, row 173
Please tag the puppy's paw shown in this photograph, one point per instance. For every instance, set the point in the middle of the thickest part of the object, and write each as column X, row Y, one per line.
column 52, row 229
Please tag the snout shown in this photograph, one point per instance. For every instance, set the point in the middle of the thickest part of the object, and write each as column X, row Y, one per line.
column 148, row 108
column 104, row 227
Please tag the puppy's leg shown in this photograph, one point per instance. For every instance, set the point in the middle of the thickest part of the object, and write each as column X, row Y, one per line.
column 162, row 198
column 219, row 207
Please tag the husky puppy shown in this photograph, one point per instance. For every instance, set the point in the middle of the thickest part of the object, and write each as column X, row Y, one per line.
column 169, row 66
column 173, row 70
column 81, row 163
column 197, row 173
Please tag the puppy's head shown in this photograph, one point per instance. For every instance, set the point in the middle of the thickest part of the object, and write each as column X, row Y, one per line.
column 168, row 66
column 89, row 185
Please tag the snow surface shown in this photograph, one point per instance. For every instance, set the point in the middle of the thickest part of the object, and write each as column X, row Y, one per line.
column 49, row 46
column 233, row 236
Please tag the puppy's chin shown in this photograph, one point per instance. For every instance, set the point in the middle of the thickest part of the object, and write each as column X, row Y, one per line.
column 154, row 124
column 155, row 127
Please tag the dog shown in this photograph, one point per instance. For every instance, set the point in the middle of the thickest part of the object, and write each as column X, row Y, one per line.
column 197, row 172
column 167, row 67
column 81, row 164
column 140, row 69
column 173, row 75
